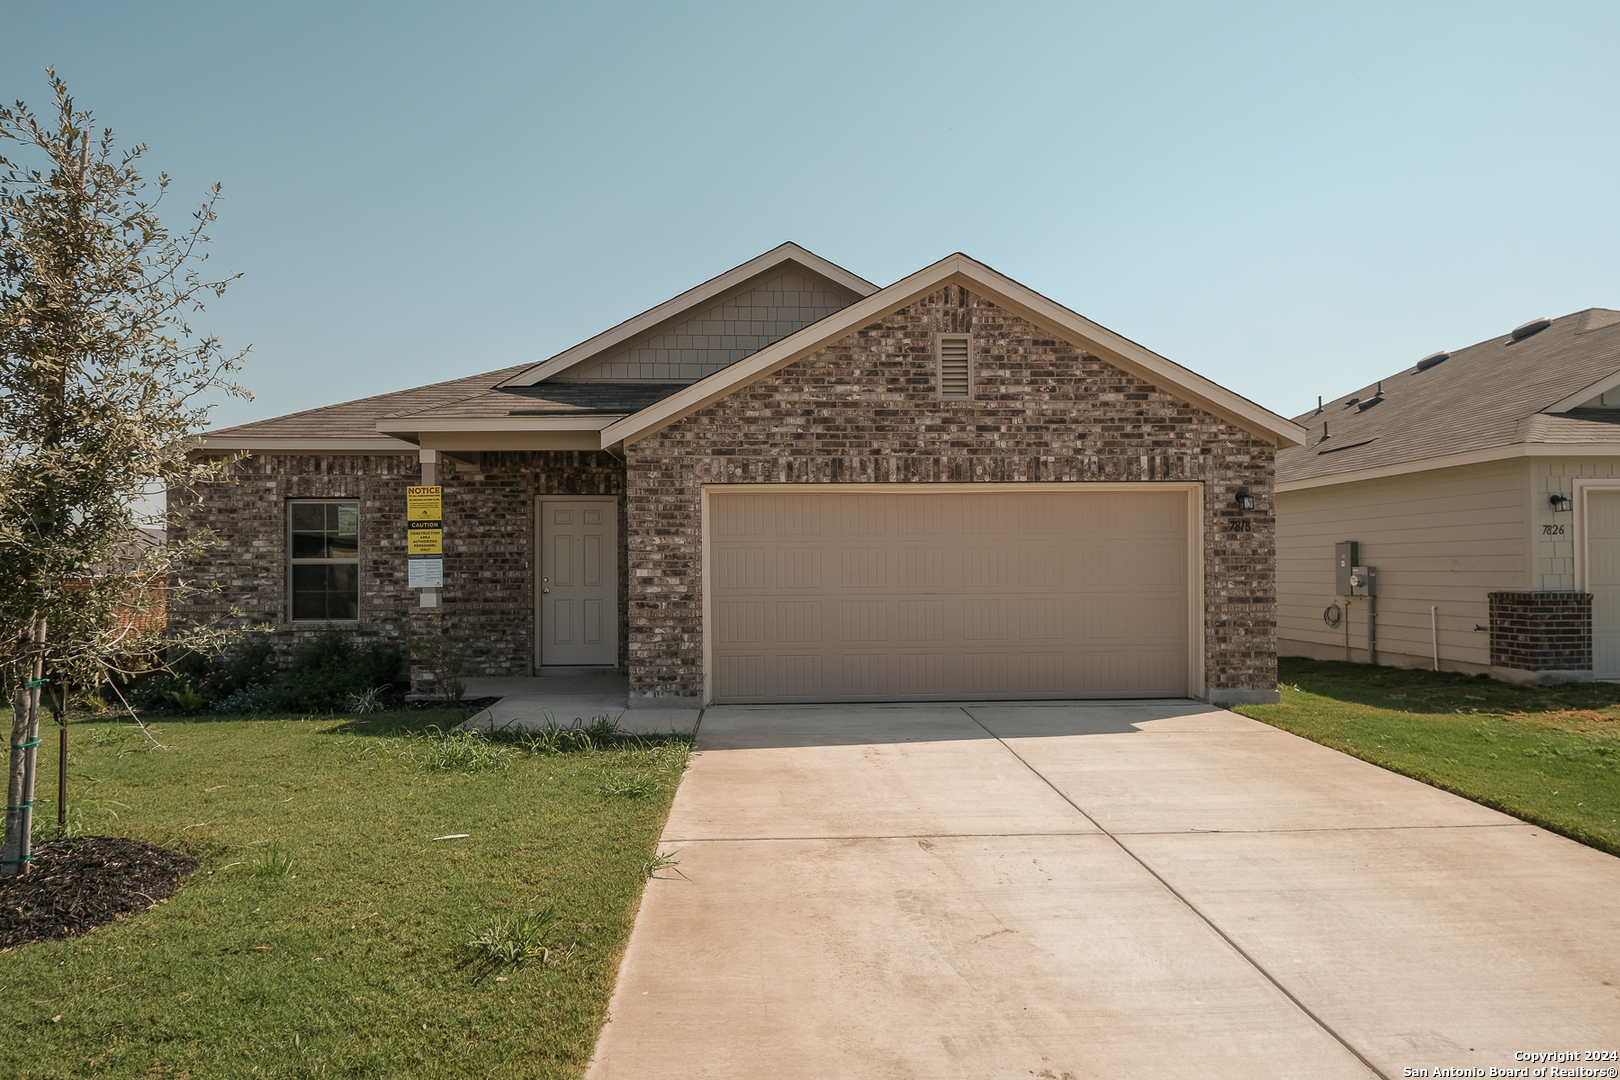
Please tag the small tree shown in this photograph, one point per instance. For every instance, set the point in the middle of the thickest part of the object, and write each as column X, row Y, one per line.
column 102, row 388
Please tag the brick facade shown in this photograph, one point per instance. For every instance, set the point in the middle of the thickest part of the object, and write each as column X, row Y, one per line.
column 865, row 410
column 1541, row 631
column 489, row 511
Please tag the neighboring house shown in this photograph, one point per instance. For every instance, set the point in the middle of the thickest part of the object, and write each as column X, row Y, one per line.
column 788, row 484
column 1484, row 486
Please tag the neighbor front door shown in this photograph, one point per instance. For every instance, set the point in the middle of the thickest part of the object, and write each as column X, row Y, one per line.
column 579, row 583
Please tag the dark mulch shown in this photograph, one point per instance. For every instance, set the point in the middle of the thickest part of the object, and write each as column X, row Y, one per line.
column 74, row 886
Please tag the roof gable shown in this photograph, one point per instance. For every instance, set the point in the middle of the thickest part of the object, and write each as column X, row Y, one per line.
column 980, row 279
column 711, row 325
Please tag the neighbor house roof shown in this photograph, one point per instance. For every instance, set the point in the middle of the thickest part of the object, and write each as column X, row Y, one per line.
column 1499, row 398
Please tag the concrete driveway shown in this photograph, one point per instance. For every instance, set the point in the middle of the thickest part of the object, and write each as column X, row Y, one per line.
column 1101, row 890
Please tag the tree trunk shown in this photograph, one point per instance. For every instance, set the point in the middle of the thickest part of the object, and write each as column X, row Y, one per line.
column 13, row 858
column 18, row 849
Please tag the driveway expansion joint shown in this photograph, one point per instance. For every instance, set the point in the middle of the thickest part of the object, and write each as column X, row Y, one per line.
column 1231, row 943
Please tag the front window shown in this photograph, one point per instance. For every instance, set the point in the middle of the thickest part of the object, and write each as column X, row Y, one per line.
column 324, row 560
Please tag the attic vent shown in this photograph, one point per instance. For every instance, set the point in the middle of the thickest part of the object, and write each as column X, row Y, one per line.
column 1374, row 400
column 955, row 367
column 1532, row 327
column 1432, row 359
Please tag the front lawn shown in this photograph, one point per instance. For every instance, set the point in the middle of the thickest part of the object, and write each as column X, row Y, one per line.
column 1548, row 755
column 325, row 931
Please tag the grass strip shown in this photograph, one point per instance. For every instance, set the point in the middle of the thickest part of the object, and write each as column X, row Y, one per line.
column 1548, row 755
column 326, row 932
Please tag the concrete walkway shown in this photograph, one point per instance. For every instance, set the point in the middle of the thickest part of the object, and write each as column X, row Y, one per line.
column 1066, row 891
column 529, row 703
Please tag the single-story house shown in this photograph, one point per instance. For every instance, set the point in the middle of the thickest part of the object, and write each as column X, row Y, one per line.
column 788, row 485
column 1484, row 487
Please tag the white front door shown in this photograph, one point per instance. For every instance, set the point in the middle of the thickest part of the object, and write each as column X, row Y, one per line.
column 579, row 583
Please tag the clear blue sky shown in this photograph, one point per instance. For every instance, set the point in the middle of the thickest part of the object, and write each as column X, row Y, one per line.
column 1291, row 199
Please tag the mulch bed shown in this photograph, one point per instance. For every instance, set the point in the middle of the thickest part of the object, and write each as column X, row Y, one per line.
column 74, row 886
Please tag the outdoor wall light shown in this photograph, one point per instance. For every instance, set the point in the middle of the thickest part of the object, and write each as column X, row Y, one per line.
column 1561, row 503
column 1244, row 500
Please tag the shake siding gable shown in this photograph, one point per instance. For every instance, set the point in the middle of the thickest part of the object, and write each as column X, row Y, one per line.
column 865, row 409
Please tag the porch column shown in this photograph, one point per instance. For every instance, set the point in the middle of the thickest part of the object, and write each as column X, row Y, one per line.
column 430, row 598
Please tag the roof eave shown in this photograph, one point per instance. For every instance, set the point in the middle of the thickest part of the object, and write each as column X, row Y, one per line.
column 1502, row 452
column 402, row 427
column 287, row 444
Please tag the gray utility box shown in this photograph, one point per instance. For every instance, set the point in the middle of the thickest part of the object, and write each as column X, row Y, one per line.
column 1346, row 556
column 1364, row 581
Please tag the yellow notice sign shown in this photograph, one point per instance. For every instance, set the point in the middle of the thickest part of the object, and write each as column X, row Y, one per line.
column 425, row 538
column 424, row 503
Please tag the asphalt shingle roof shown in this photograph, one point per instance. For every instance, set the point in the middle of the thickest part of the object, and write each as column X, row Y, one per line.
column 473, row 396
column 1487, row 395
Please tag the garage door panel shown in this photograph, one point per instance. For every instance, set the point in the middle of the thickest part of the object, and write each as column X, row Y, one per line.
column 799, row 621
column 1042, row 618
column 739, row 517
column 745, row 675
column 920, row 515
column 799, row 676
column 864, row 567
column 986, row 515
column 798, row 568
column 864, row 515
column 986, row 620
column 949, row 596
column 740, row 623
column 919, row 675
column 798, row 515
column 920, row 620
column 740, row 569
column 864, row 675
column 865, row 620
column 919, row 568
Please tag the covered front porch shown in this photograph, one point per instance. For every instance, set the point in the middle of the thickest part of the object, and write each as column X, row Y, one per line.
column 529, row 703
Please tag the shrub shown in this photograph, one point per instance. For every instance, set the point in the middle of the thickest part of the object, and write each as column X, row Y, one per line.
column 445, row 660
column 327, row 670
column 249, row 701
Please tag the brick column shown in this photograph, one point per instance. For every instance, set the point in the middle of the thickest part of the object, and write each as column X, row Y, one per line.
column 1541, row 631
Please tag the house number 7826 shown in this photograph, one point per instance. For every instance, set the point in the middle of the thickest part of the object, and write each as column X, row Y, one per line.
column 1552, row 530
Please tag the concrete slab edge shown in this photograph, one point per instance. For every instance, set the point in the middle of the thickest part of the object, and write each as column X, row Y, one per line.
column 1243, row 695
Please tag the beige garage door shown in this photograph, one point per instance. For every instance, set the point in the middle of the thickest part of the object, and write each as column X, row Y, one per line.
column 948, row 596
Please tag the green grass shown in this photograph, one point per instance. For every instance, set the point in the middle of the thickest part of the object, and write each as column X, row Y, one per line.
column 326, row 932
column 1548, row 755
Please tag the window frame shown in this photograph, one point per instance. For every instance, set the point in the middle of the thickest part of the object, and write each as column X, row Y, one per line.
column 939, row 366
column 292, row 561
